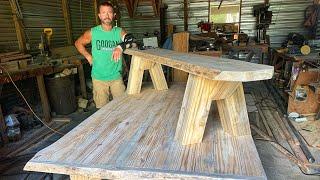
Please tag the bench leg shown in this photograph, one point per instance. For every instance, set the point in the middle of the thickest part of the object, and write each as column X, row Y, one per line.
column 138, row 65
column 137, row 68
column 233, row 114
column 157, row 76
column 196, row 105
column 79, row 177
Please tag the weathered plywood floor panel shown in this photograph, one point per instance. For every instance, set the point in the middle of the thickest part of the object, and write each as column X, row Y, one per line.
column 133, row 137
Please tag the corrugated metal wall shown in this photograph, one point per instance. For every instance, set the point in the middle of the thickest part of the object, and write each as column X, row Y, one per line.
column 43, row 14
column 248, row 21
column 8, row 37
column 174, row 14
column 82, row 16
column 288, row 17
column 139, row 26
column 198, row 11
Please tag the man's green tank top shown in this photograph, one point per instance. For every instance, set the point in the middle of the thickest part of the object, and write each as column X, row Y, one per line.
column 103, row 43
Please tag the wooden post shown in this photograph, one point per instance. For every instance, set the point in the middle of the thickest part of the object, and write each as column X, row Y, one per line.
column 233, row 114
column 129, row 7
column 135, row 5
column 196, row 106
column 186, row 14
column 240, row 16
column 44, row 98
column 67, row 22
column 96, row 11
column 155, row 8
column 18, row 26
column 180, row 44
column 82, row 82
column 3, row 127
column 209, row 10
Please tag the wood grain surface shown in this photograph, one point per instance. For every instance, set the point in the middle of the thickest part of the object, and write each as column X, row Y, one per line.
column 209, row 67
column 133, row 137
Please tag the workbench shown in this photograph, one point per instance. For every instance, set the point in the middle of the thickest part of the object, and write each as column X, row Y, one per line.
column 290, row 74
column 314, row 56
column 39, row 71
column 259, row 50
column 279, row 59
column 166, row 133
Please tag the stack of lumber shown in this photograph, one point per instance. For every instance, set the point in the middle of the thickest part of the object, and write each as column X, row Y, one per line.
column 270, row 125
column 13, row 61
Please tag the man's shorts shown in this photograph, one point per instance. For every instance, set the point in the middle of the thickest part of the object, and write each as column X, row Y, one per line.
column 102, row 89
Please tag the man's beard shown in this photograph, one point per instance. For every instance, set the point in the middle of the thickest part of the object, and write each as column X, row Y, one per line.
column 106, row 21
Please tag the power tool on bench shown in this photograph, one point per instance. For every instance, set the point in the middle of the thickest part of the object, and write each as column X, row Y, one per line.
column 44, row 45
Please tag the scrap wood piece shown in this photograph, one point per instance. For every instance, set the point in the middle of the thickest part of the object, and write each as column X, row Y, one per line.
column 8, row 54
column 282, row 126
column 61, row 119
column 281, row 132
column 293, row 138
column 16, row 57
column 262, row 116
column 280, row 148
column 306, row 167
column 274, row 125
column 10, row 66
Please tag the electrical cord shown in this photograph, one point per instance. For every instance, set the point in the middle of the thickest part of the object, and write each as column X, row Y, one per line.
column 14, row 84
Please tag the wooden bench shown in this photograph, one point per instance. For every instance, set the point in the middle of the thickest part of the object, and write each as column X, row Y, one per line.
column 164, row 133
column 209, row 79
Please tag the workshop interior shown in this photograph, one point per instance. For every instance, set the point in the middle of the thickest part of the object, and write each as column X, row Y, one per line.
column 212, row 89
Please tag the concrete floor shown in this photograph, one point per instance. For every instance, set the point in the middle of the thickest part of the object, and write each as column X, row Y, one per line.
column 278, row 167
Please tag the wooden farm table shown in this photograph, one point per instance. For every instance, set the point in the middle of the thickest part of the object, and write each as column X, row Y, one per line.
column 164, row 133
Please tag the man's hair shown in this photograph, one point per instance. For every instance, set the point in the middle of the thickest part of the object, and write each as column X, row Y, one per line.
column 105, row 3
